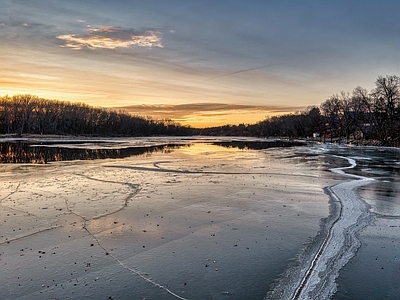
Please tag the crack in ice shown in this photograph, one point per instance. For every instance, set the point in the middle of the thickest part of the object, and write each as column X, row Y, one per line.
column 138, row 273
column 341, row 243
column 10, row 194
column 136, row 188
column 28, row 235
column 160, row 169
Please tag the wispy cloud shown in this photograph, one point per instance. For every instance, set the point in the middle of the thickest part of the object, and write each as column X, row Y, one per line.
column 241, row 71
column 108, row 37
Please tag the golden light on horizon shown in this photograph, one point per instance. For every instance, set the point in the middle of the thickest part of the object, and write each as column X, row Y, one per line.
column 201, row 115
column 210, row 103
column 229, row 118
column 196, row 115
column 134, row 57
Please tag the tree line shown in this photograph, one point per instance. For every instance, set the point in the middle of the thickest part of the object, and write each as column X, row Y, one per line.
column 28, row 114
column 360, row 116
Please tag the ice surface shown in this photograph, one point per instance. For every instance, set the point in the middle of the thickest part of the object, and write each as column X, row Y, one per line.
column 196, row 222
column 341, row 243
column 355, row 212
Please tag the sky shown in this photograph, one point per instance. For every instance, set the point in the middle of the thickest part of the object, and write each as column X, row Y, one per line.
column 200, row 63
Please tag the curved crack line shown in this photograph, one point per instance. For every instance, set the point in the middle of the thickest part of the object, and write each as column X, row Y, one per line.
column 131, row 269
column 17, row 209
column 120, row 263
column 319, row 252
column 135, row 187
column 163, row 170
column 28, row 214
column 85, row 220
column 12, row 193
column 29, row 235
column 71, row 211
column 323, row 284
column 131, row 185
column 21, row 211
column 126, row 201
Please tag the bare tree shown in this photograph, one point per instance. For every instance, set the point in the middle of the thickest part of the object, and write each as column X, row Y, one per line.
column 386, row 101
column 332, row 110
column 362, row 111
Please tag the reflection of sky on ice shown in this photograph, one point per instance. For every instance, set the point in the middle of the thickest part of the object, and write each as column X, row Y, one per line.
column 202, row 221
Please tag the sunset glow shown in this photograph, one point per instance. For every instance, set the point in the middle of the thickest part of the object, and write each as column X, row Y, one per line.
column 198, row 63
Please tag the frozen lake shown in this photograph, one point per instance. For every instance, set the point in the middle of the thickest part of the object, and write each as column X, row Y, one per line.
column 198, row 219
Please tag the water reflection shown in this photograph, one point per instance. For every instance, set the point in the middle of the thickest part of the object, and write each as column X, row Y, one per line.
column 22, row 152
column 383, row 196
column 383, row 166
column 377, row 163
column 26, row 152
column 257, row 145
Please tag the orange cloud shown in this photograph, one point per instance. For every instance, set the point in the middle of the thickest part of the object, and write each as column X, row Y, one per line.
column 108, row 37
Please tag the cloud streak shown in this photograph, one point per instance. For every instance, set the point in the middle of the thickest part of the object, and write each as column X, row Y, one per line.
column 108, row 37
column 241, row 71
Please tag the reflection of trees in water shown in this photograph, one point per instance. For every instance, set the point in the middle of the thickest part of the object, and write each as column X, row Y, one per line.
column 24, row 152
column 253, row 145
column 21, row 152
column 382, row 164
column 387, row 190
column 384, row 196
